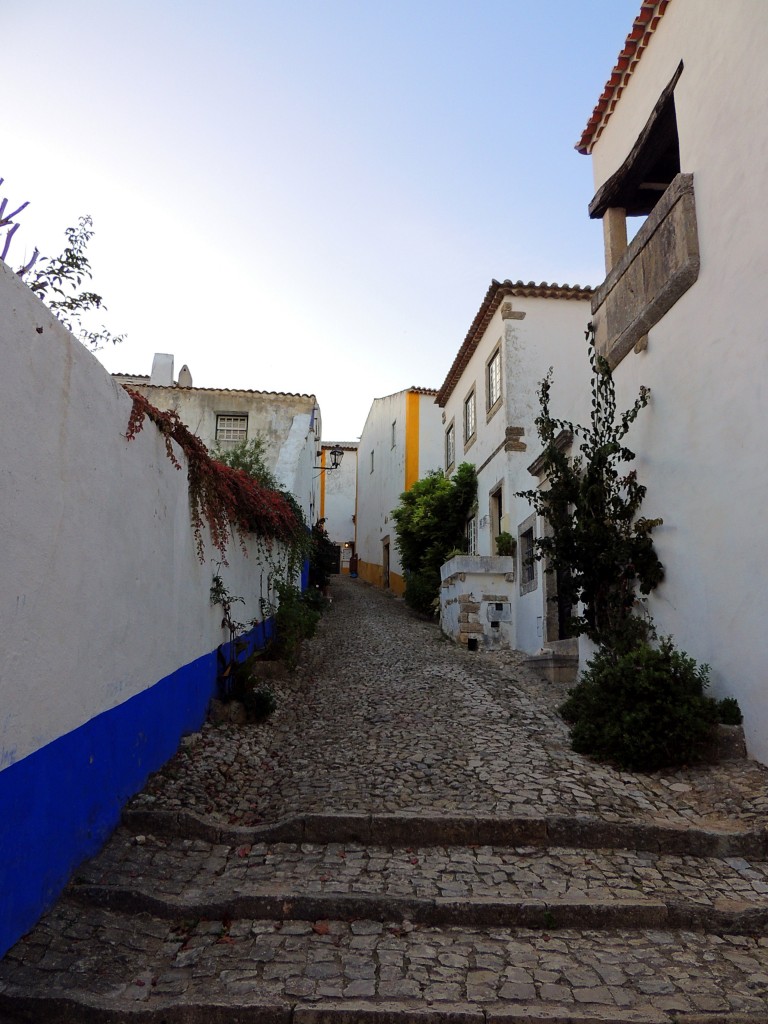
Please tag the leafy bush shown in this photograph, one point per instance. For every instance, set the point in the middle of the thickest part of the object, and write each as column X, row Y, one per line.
column 729, row 712
column 430, row 523
column 259, row 702
column 642, row 709
column 597, row 542
column 295, row 620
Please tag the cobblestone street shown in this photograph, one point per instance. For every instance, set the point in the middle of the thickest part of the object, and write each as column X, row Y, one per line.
column 410, row 838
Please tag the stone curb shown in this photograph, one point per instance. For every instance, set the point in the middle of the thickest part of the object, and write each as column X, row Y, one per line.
column 456, row 830
column 729, row 918
column 54, row 1008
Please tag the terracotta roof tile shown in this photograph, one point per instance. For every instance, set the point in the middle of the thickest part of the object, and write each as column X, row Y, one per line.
column 498, row 291
column 231, row 391
column 643, row 27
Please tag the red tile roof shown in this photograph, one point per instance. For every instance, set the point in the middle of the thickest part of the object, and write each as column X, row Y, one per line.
column 144, row 383
column 643, row 27
column 498, row 291
column 422, row 391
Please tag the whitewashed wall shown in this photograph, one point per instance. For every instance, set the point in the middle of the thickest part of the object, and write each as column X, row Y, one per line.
column 700, row 441
column 289, row 424
column 337, row 505
column 107, row 635
column 378, row 491
column 550, row 334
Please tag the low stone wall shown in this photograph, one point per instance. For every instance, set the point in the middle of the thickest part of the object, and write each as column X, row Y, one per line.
column 477, row 600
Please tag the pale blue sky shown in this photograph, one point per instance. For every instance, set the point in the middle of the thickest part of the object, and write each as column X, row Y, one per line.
column 310, row 195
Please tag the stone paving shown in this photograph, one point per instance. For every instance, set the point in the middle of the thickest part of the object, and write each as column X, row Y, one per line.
column 410, row 838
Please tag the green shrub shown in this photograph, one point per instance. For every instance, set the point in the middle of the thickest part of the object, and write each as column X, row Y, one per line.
column 295, row 620
column 729, row 712
column 422, row 591
column 259, row 702
column 642, row 709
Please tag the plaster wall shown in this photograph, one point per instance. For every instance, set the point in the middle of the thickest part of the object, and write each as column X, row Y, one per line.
column 289, row 424
column 551, row 333
column 380, row 484
column 416, row 451
column 107, row 635
column 698, row 443
column 338, row 497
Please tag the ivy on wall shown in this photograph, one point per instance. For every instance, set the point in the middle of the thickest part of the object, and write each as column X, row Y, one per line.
column 228, row 500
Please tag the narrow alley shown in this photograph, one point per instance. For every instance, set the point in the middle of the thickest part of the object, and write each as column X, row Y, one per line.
column 410, row 838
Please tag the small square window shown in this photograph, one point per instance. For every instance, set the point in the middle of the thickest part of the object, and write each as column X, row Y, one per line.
column 231, row 430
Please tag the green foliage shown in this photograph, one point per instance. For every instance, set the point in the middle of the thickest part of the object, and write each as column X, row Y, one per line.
column 729, row 712
column 599, row 545
column 506, row 544
column 250, row 456
column 296, row 620
column 642, row 709
column 59, row 281
column 323, row 557
column 256, row 697
column 430, row 522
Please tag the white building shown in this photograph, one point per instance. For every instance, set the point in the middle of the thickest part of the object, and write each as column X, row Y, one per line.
column 679, row 138
column 289, row 424
column 490, row 402
column 338, row 488
column 401, row 442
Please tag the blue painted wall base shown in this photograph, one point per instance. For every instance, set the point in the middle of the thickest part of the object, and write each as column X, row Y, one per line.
column 59, row 805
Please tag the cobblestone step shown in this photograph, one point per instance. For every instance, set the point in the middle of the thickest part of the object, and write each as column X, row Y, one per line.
column 113, row 967
column 463, row 830
column 480, row 885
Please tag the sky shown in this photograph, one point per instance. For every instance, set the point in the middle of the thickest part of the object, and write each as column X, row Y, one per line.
column 307, row 196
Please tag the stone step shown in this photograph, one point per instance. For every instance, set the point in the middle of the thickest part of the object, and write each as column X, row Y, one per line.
column 107, row 966
column 710, row 840
column 441, row 886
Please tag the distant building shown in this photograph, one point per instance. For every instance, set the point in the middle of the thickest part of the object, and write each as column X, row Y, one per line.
column 490, row 403
column 401, row 442
column 678, row 142
column 337, row 497
column 289, row 424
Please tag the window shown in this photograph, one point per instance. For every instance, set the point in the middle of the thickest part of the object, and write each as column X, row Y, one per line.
column 527, row 549
column 394, row 424
column 231, row 430
column 472, row 536
column 450, row 447
column 469, row 417
column 371, row 459
column 493, row 379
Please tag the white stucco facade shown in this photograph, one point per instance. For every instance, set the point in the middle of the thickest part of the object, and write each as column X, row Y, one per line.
column 706, row 362
column 289, row 424
column 337, row 498
column 108, row 638
column 401, row 442
column 528, row 328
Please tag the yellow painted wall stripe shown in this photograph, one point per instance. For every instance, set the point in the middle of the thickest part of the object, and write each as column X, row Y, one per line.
column 411, row 439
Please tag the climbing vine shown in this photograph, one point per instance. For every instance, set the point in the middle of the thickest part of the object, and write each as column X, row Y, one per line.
column 227, row 500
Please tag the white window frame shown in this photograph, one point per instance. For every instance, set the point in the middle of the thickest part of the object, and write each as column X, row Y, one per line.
column 493, row 380
column 450, row 446
column 470, row 416
column 472, row 536
column 231, row 429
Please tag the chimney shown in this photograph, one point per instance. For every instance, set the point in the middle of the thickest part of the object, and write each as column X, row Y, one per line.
column 185, row 377
column 162, row 370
